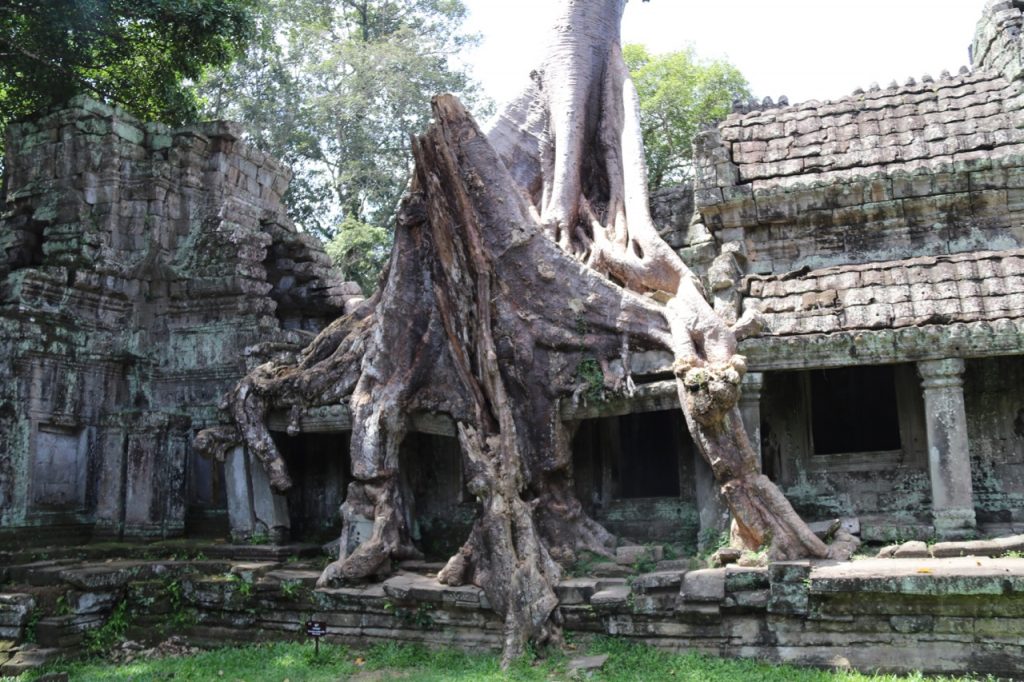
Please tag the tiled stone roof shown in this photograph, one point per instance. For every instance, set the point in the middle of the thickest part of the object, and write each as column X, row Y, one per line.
column 967, row 287
column 920, row 124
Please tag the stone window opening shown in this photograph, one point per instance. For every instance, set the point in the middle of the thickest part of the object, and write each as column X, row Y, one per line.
column 24, row 247
column 636, row 475
column 854, row 410
column 631, row 456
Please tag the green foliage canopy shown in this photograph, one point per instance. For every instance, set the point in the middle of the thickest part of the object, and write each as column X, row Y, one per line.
column 680, row 94
column 138, row 53
column 335, row 88
column 360, row 251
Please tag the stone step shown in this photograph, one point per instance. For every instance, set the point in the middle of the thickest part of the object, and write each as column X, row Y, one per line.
column 28, row 658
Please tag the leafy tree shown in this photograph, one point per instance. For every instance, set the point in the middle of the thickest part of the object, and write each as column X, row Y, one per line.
column 680, row 94
column 139, row 53
column 360, row 251
column 334, row 88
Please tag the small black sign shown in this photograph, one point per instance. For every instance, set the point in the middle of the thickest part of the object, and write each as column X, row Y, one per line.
column 316, row 628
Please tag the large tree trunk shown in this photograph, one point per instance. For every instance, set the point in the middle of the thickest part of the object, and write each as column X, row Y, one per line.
column 519, row 255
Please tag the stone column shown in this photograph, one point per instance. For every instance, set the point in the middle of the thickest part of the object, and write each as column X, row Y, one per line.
column 750, row 410
column 948, row 454
column 270, row 509
column 239, row 495
column 254, row 509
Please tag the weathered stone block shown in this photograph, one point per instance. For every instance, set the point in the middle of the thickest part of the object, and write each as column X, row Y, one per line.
column 915, row 549
column 632, row 554
column 788, row 598
column 612, row 597
column 789, row 571
column 742, row 579
column 575, row 590
column 704, row 585
column 659, row 580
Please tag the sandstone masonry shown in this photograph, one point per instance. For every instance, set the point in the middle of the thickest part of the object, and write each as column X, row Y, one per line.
column 139, row 265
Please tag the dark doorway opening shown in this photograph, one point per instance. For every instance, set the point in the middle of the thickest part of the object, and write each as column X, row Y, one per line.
column 441, row 511
column 207, row 515
column 319, row 464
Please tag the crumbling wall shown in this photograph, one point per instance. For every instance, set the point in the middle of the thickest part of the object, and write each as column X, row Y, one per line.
column 994, row 398
column 137, row 265
column 997, row 41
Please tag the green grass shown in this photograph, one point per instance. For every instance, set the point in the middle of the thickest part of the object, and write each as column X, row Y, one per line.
column 296, row 662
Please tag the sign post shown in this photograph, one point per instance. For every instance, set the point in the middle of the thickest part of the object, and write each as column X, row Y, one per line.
column 316, row 629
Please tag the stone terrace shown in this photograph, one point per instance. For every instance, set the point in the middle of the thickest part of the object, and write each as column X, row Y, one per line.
column 936, row 615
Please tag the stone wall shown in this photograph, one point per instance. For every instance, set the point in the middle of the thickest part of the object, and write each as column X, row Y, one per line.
column 994, row 398
column 949, row 615
column 884, row 228
column 137, row 265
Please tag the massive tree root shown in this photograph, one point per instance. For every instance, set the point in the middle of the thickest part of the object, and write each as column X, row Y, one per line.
column 518, row 255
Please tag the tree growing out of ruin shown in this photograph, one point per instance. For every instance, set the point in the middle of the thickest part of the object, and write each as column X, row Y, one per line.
column 520, row 255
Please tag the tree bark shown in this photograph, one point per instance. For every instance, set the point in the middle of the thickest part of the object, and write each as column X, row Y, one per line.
column 519, row 255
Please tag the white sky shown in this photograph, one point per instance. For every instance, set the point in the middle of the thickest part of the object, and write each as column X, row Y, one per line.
column 804, row 49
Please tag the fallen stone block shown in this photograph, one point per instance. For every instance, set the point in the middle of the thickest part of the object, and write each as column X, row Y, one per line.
column 915, row 549
column 887, row 551
column 586, row 664
column 826, row 529
column 27, row 658
column 991, row 548
column 726, row 556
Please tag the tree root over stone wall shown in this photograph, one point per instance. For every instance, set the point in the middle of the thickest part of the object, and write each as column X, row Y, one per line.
column 518, row 256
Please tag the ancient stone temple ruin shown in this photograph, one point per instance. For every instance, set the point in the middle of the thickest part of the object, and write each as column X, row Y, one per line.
column 142, row 268
column 881, row 236
column 143, row 271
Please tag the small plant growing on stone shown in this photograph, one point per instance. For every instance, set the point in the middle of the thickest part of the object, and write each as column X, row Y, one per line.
column 291, row 588
column 104, row 638
column 584, row 564
column 589, row 372
column 243, row 585
column 30, row 626
column 644, row 563
column 259, row 539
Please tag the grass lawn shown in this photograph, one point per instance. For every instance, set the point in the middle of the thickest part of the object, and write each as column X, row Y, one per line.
column 295, row 663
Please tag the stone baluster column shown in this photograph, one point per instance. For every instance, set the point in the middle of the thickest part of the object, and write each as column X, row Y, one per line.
column 750, row 410
column 949, row 459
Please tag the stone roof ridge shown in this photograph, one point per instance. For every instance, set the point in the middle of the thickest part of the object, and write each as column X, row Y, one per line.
column 749, row 112
column 964, row 256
